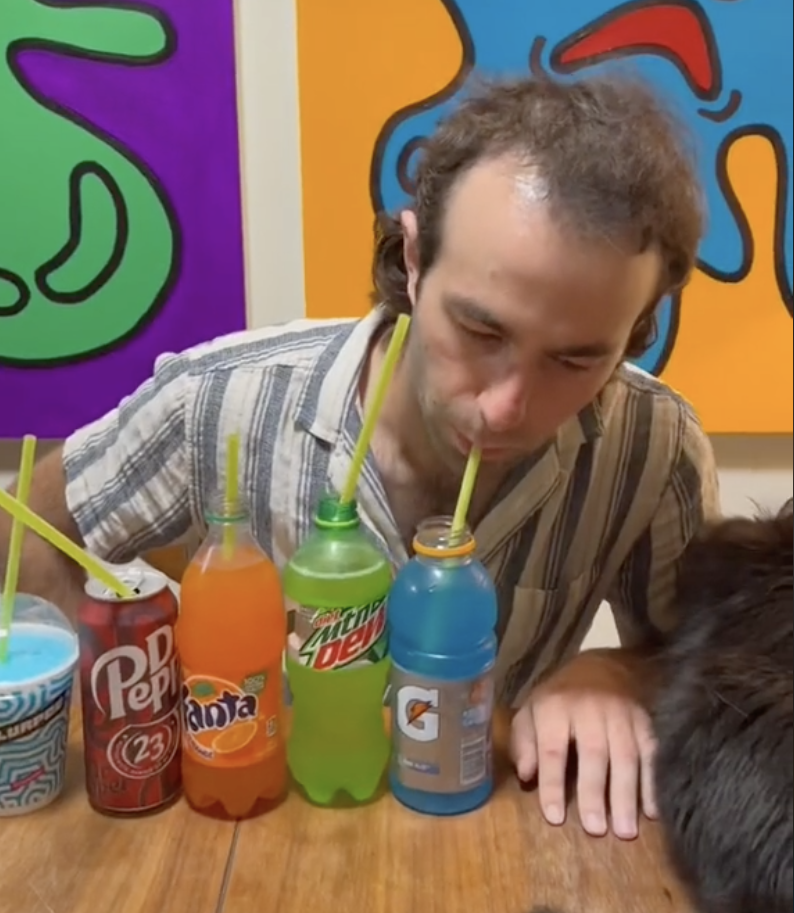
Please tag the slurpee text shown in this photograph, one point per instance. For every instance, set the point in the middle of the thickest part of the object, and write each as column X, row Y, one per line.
column 130, row 683
column 231, row 637
column 337, row 657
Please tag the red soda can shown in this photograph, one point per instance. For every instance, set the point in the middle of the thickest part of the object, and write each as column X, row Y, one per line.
column 130, row 684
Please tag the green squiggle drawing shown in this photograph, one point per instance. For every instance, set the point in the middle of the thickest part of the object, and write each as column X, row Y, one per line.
column 88, row 247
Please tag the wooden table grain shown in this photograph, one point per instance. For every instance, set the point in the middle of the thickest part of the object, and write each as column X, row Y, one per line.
column 503, row 858
column 380, row 858
column 69, row 859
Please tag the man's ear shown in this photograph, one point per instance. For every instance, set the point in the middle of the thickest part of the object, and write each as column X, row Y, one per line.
column 410, row 251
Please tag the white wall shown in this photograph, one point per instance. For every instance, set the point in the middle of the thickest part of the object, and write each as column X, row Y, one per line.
column 752, row 470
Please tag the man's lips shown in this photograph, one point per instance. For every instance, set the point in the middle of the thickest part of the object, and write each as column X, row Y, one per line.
column 678, row 31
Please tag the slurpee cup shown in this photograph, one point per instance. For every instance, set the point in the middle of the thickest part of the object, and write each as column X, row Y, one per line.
column 337, row 660
column 35, row 700
column 231, row 636
column 442, row 618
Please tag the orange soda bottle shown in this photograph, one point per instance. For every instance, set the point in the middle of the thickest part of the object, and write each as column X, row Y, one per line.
column 231, row 635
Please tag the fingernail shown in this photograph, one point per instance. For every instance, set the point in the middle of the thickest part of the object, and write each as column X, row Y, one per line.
column 596, row 825
column 554, row 814
column 626, row 829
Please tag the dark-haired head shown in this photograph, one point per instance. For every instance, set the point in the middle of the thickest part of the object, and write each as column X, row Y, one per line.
column 548, row 221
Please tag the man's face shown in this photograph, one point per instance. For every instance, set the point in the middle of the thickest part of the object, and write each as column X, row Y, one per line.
column 520, row 322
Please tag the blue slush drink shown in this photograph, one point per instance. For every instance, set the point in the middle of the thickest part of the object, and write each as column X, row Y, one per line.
column 35, row 700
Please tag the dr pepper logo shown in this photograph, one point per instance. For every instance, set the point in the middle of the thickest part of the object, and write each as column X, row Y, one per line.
column 340, row 637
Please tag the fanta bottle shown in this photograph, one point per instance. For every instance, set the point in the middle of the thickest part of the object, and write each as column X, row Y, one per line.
column 231, row 636
column 442, row 619
column 337, row 660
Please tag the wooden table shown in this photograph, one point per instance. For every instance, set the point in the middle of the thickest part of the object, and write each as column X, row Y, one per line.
column 380, row 858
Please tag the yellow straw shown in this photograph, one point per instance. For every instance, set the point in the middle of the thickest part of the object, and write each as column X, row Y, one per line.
column 15, row 546
column 362, row 445
column 232, row 490
column 466, row 490
column 57, row 539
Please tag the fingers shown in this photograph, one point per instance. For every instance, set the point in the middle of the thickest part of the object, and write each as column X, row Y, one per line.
column 523, row 744
column 593, row 747
column 553, row 727
column 624, row 772
column 646, row 745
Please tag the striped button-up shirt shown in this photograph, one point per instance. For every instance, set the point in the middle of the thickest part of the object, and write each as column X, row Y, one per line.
column 601, row 514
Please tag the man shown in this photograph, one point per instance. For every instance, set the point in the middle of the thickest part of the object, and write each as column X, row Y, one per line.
column 549, row 220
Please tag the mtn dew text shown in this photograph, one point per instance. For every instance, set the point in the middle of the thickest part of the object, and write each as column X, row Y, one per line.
column 339, row 638
column 337, row 657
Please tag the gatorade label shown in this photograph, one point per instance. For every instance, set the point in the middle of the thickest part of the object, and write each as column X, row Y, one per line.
column 231, row 725
column 441, row 732
column 328, row 639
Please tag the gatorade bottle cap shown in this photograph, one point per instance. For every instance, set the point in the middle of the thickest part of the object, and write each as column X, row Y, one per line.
column 435, row 539
column 331, row 514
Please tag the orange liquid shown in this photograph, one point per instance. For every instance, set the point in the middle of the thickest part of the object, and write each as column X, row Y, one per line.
column 231, row 635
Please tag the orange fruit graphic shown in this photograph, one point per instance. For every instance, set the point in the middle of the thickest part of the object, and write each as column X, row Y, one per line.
column 235, row 738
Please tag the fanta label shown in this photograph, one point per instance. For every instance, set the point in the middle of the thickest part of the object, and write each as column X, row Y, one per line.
column 327, row 639
column 226, row 724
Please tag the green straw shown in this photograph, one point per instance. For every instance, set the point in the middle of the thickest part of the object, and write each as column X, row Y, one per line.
column 56, row 539
column 362, row 445
column 232, row 491
column 466, row 491
column 15, row 546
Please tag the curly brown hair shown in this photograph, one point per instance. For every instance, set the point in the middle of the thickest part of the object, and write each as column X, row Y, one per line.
column 617, row 162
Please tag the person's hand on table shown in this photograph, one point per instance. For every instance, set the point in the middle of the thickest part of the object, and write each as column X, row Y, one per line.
column 591, row 703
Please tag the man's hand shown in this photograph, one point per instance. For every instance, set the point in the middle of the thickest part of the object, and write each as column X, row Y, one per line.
column 592, row 702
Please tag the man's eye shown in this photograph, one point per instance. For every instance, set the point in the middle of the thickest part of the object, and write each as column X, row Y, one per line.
column 575, row 365
column 482, row 336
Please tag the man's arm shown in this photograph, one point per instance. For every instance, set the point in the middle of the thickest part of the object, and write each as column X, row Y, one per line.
column 643, row 595
column 119, row 486
column 45, row 571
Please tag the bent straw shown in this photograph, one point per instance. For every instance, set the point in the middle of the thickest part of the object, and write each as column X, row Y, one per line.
column 362, row 444
column 466, row 490
column 55, row 538
column 15, row 546
column 232, row 491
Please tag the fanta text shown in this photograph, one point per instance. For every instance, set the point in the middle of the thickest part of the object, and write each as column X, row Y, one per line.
column 219, row 713
column 138, row 678
column 347, row 639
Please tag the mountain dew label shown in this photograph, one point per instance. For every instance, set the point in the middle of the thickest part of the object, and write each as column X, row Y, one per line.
column 339, row 638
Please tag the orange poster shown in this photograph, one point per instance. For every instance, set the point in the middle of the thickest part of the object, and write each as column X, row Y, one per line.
column 375, row 77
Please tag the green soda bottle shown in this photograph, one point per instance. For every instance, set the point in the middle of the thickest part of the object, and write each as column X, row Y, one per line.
column 337, row 657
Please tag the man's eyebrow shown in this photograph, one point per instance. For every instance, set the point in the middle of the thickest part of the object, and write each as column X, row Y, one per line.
column 588, row 350
column 475, row 312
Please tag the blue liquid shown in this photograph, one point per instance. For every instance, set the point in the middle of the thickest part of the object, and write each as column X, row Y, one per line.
column 442, row 617
column 37, row 651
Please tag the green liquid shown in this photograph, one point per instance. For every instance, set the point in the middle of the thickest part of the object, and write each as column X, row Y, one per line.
column 338, row 740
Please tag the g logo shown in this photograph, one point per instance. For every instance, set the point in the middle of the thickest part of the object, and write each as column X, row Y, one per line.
column 414, row 713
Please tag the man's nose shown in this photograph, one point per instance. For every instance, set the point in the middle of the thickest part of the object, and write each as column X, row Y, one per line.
column 503, row 405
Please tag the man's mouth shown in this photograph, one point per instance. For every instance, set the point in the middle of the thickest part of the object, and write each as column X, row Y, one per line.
column 678, row 31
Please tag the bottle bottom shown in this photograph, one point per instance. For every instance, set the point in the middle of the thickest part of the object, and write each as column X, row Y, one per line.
column 441, row 804
column 218, row 810
column 233, row 794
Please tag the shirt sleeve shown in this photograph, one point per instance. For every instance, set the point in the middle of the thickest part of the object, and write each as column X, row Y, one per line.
column 127, row 474
column 642, row 597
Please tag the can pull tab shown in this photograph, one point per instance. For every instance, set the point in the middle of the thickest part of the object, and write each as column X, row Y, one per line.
column 133, row 577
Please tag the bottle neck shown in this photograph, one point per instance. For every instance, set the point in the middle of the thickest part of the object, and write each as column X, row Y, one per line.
column 228, row 523
column 436, row 541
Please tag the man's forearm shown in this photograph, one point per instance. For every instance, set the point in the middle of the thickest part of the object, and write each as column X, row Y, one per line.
column 44, row 570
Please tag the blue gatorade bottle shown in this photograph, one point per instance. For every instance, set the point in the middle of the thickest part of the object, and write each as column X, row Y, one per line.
column 442, row 613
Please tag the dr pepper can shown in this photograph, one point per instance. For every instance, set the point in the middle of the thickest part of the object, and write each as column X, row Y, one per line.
column 130, row 686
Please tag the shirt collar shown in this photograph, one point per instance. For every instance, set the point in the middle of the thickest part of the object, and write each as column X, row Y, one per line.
column 329, row 394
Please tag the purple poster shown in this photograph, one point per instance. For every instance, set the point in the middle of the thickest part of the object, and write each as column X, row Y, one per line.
column 120, row 212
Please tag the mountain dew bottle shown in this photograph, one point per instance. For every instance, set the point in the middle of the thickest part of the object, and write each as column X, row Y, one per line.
column 337, row 657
